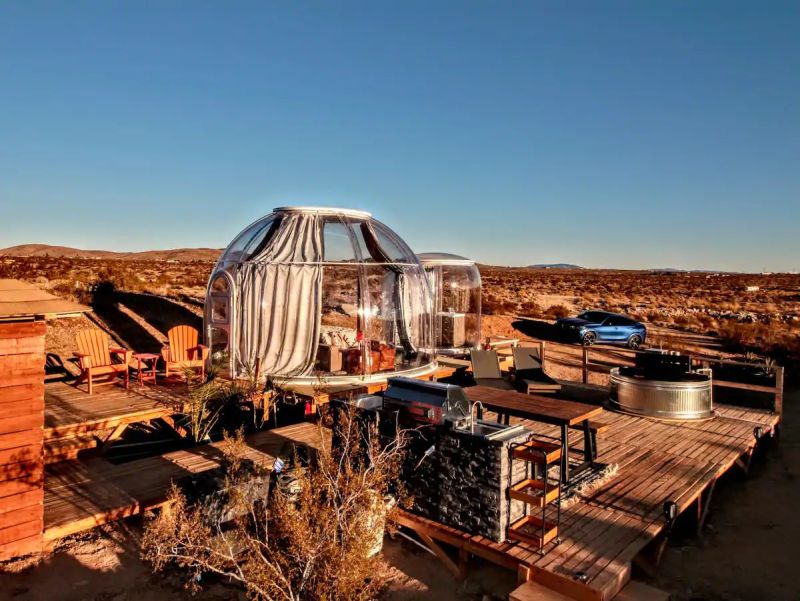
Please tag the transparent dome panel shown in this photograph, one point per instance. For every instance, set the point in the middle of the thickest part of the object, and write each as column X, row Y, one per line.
column 250, row 240
column 219, row 344
column 391, row 244
column 338, row 242
column 219, row 284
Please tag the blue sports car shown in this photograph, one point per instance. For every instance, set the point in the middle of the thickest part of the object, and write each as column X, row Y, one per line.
column 601, row 326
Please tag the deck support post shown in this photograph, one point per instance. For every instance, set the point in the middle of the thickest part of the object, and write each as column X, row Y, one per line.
column 706, row 505
column 457, row 568
column 745, row 460
column 463, row 564
column 115, row 434
column 179, row 430
column 585, row 365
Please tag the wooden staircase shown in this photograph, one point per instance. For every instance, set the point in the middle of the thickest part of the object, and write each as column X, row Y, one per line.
column 539, row 492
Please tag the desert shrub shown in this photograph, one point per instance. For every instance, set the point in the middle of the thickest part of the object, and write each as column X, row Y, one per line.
column 681, row 320
column 119, row 275
column 310, row 537
column 530, row 309
column 556, row 312
column 492, row 305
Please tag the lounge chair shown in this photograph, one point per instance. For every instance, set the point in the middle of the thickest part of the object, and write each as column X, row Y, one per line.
column 183, row 352
column 95, row 357
column 486, row 370
column 529, row 374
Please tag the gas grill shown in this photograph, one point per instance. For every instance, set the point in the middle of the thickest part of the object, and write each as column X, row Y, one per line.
column 427, row 402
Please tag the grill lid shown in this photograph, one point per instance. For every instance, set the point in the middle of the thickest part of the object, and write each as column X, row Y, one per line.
column 451, row 399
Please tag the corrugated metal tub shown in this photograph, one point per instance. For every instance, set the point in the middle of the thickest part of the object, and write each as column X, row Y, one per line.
column 687, row 397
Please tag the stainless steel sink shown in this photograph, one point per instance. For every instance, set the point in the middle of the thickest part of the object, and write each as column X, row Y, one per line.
column 493, row 430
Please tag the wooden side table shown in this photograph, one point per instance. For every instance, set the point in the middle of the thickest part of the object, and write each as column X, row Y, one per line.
column 146, row 367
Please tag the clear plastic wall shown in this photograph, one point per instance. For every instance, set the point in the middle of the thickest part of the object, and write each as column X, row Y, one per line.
column 319, row 296
column 456, row 286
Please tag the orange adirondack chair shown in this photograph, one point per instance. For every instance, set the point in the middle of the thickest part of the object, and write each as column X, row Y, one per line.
column 183, row 352
column 95, row 357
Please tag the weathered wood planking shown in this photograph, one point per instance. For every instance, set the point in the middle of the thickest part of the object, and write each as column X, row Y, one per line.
column 21, row 424
column 602, row 534
column 81, row 495
column 70, row 411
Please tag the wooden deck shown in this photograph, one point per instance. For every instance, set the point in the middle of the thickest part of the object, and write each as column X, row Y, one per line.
column 604, row 532
column 600, row 535
column 77, row 422
column 80, row 495
column 72, row 411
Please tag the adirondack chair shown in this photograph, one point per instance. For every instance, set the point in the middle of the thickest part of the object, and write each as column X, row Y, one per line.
column 95, row 357
column 183, row 352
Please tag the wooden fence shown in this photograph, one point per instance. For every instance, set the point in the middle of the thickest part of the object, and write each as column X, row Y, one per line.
column 21, row 432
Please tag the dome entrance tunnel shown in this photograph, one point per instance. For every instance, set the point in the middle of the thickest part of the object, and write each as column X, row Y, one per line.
column 456, row 288
column 319, row 296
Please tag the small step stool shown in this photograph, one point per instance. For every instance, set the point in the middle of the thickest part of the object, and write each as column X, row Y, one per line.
column 537, row 491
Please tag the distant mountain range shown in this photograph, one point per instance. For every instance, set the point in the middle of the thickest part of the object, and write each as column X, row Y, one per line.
column 212, row 254
column 554, row 266
column 176, row 254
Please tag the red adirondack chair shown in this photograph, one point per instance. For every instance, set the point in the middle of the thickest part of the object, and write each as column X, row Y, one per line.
column 95, row 358
column 183, row 352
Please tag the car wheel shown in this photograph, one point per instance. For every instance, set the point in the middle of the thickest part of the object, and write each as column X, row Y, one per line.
column 589, row 338
column 635, row 341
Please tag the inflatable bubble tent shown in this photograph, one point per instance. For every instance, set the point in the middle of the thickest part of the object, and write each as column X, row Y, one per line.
column 320, row 296
column 456, row 288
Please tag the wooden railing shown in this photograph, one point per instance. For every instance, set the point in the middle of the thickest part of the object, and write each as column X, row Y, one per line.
column 610, row 357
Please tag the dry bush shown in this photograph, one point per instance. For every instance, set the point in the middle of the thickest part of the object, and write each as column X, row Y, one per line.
column 556, row 312
column 310, row 537
column 530, row 309
column 492, row 305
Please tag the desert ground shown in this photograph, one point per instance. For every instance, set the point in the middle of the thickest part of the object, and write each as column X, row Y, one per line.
column 745, row 552
column 739, row 313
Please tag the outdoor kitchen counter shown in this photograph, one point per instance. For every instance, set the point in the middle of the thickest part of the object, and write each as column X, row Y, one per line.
column 557, row 412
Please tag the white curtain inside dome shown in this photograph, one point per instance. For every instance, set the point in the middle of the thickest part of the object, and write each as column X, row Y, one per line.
column 280, row 300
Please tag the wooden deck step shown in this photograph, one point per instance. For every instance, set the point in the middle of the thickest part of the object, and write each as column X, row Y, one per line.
column 531, row 491
column 63, row 449
column 537, row 451
column 533, row 591
column 529, row 530
column 639, row 591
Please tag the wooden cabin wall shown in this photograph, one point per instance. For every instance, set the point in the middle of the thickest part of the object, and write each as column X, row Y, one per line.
column 22, row 359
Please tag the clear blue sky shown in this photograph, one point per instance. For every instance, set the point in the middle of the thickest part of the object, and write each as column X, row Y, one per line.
column 634, row 134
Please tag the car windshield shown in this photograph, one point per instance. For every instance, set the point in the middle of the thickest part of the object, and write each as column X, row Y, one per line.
column 594, row 316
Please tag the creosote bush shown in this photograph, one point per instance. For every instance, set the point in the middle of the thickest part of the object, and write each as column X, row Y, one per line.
column 310, row 537
column 556, row 312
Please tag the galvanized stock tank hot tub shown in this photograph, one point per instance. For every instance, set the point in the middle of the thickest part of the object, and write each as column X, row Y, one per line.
column 667, row 395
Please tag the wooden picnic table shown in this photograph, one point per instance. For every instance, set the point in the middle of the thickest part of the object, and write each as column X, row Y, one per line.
column 557, row 412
